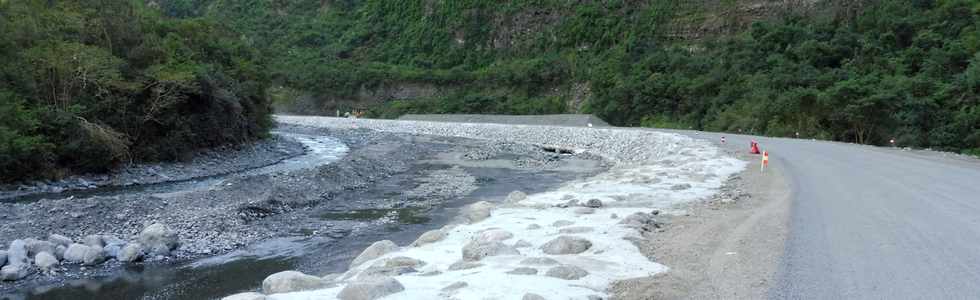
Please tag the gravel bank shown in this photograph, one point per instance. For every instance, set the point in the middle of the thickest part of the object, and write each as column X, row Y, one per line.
column 211, row 162
column 571, row 242
column 574, row 120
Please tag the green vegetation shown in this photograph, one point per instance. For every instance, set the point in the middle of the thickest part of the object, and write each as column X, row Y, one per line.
column 88, row 85
column 863, row 71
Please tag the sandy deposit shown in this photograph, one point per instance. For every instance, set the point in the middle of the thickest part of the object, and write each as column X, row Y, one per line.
column 654, row 171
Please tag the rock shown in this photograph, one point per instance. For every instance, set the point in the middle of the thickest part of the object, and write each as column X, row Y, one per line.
column 476, row 212
column 112, row 250
column 522, row 244
column 370, row 289
column 475, row 250
column 562, row 223
column 614, row 216
column 376, row 250
column 533, row 227
column 76, row 253
column 539, row 261
column 516, row 196
column 291, row 281
column 382, row 271
column 593, row 203
column 641, row 221
column 567, row 272
column 680, row 187
column 109, row 240
column 576, row 229
column 594, row 297
column 401, row 261
column 93, row 241
column 530, row 296
column 93, row 255
column 570, row 203
column 15, row 272
column 493, row 235
column 566, row 245
column 59, row 251
column 584, row 211
column 17, row 254
column 455, row 286
column 429, row 237
column 3, row 257
column 46, row 261
column 464, row 265
column 35, row 246
column 158, row 239
column 331, row 277
column 523, row 271
column 132, row 252
column 246, row 296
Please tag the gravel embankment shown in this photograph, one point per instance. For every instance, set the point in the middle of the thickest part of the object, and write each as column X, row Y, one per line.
column 572, row 242
column 574, row 120
column 210, row 162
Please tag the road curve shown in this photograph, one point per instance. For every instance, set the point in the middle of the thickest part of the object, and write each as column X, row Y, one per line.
column 875, row 223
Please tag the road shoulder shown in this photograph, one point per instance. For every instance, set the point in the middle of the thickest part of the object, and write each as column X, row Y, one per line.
column 720, row 249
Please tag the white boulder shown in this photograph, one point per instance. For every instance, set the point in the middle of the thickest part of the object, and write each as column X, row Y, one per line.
column 376, row 250
column 291, row 281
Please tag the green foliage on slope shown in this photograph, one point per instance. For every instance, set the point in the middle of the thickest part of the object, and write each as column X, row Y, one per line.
column 862, row 71
column 88, row 85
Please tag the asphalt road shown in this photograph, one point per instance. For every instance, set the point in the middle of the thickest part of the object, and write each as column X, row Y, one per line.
column 875, row 223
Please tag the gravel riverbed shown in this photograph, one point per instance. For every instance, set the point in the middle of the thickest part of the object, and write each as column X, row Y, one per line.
column 569, row 242
column 387, row 181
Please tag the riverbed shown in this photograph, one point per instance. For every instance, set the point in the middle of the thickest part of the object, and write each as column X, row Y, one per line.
column 306, row 215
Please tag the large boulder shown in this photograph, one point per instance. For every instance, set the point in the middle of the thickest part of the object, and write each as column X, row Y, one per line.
column 429, row 237
column 370, row 289
column 46, row 261
column 132, row 252
column 593, row 203
column 376, row 250
column 17, row 253
column 566, row 245
column 523, row 271
column 93, row 255
column 58, row 239
column 76, row 253
column 59, row 251
column 516, row 196
column 476, row 250
column 3, row 258
column 291, row 281
column 567, row 272
column 158, row 239
column 539, row 261
column 93, row 241
column 464, row 265
column 493, row 235
column 15, row 272
column 400, row 261
column 246, row 296
column 530, row 296
column 476, row 212
column 35, row 246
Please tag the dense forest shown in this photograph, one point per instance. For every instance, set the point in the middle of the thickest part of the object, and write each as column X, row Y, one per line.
column 86, row 86
column 857, row 70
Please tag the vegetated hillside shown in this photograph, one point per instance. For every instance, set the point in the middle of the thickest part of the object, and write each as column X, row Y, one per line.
column 88, row 85
column 864, row 71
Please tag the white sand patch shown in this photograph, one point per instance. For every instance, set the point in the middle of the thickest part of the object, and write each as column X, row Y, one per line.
column 654, row 171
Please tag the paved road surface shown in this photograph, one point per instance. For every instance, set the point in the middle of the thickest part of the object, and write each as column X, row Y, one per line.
column 876, row 223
